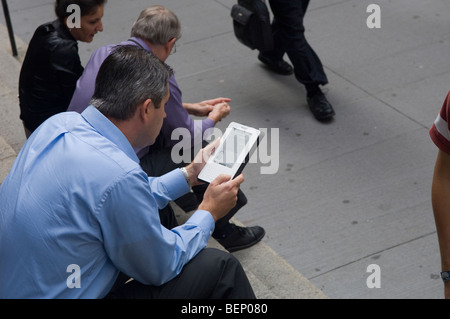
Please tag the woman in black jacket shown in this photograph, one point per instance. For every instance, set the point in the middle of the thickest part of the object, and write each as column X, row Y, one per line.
column 52, row 65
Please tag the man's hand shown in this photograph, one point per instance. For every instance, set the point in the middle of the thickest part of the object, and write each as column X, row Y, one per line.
column 219, row 112
column 199, row 162
column 221, row 195
column 215, row 109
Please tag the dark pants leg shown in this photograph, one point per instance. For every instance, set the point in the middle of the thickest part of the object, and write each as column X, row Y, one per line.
column 212, row 274
column 289, row 37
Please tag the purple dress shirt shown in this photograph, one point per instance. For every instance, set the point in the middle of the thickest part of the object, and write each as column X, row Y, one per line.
column 177, row 116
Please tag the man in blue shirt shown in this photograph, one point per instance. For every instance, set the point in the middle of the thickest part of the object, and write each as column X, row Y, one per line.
column 77, row 210
column 156, row 30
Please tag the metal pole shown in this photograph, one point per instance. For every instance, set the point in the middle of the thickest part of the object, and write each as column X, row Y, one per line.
column 10, row 29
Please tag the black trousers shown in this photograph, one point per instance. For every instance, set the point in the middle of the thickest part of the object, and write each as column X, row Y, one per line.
column 159, row 162
column 289, row 38
column 212, row 274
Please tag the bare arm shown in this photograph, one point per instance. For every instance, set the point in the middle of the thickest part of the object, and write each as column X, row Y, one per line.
column 441, row 208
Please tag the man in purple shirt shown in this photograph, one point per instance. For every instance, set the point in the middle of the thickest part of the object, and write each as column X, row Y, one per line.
column 156, row 30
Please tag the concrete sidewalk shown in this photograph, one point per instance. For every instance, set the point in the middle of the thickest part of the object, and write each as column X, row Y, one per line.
column 348, row 194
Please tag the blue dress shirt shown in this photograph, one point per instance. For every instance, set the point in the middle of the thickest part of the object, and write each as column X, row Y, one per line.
column 76, row 198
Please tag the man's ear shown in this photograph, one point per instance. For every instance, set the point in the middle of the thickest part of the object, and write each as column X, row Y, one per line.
column 172, row 41
column 146, row 109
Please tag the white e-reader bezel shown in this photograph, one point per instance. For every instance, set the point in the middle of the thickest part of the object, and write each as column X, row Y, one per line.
column 218, row 164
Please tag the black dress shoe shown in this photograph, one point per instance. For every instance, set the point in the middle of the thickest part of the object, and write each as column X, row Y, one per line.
column 278, row 66
column 320, row 107
column 242, row 237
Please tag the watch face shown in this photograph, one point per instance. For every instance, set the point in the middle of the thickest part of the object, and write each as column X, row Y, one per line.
column 445, row 275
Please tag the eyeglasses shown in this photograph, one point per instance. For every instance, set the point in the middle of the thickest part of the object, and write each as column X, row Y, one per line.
column 174, row 49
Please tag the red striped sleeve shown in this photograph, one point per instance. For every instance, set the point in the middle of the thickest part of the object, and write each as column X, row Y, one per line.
column 440, row 131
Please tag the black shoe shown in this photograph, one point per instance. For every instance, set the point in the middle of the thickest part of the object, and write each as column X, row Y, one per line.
column 320, row 107
column 242, row 237
column 278, row 66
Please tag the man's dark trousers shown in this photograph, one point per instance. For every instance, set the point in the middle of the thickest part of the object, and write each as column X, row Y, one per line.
column 289, row 37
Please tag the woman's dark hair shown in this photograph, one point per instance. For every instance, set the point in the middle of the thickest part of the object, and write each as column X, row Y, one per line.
column 86, row 7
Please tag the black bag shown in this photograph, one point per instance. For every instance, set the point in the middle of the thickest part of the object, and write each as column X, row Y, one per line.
column 251, row 24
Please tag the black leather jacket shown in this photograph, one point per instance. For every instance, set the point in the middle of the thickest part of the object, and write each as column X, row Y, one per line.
column 49, row 74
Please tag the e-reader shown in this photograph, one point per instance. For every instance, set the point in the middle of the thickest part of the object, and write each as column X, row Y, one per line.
column 233, row 153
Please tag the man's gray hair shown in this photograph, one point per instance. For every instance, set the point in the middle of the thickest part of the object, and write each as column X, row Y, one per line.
column 157, row 25
column 128, row 77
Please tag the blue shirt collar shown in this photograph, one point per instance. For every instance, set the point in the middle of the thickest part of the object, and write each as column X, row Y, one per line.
column 107, row 129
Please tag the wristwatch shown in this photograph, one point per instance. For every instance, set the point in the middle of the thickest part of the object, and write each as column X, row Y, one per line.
column 445, row 275
column 186, row 176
